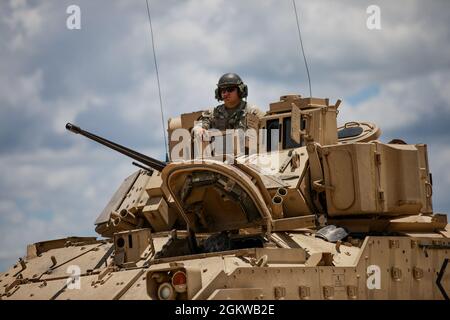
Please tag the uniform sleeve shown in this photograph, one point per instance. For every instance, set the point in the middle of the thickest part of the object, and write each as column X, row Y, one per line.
column 256, row 111
column 253, row 117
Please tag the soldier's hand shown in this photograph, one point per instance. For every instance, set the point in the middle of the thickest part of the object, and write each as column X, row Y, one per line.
column 200, row 132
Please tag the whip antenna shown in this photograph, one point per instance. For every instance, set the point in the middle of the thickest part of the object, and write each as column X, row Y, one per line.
column 157, row 78
column 301, row 44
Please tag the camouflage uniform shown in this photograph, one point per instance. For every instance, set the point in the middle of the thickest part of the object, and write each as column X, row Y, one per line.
column 221, row 118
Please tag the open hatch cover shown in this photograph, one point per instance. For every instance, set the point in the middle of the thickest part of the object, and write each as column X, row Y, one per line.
column 358, row 132
column 214, row 197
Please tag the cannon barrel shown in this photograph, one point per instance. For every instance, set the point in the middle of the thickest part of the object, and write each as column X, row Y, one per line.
column 151, row 162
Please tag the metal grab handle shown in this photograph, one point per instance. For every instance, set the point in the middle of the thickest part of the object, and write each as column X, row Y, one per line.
column 320, row 186
column 351, row 123
column 428, row 189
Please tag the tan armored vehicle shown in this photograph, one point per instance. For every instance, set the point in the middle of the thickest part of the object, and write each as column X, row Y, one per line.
column 317, row 212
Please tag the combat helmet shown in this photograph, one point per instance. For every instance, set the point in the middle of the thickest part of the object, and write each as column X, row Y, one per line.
column 231, row 79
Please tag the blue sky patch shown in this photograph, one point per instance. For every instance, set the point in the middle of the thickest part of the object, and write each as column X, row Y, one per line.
column 363, row 95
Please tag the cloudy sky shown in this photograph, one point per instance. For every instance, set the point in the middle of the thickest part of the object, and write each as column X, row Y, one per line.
column 102, row 77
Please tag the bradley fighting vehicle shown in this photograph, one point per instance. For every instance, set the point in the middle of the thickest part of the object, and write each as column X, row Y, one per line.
column 319, row 212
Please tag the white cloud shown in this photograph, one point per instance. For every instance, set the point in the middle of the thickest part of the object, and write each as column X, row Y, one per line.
column 25, row 21
column 439, row 161
column 22, row 89
column 66, row 110
column 402, row 103
column 10, row 212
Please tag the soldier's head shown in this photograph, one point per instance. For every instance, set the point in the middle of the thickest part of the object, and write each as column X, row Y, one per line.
column 231, row 89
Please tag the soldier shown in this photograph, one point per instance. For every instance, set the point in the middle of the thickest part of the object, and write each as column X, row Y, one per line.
column 234, row 113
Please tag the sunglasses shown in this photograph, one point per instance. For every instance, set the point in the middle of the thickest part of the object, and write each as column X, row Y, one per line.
column 229, row 89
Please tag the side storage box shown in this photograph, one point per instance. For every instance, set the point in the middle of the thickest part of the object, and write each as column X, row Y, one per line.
column 376, row 178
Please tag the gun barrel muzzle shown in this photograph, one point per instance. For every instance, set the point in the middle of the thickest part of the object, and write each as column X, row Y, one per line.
column 277, row 206
column 73, row 128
